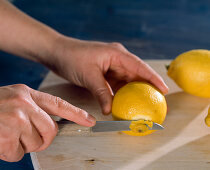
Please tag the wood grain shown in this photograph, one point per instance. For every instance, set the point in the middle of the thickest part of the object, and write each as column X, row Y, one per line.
column 184, row 144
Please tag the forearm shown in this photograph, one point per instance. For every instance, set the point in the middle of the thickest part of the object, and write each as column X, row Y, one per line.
column 23, row 36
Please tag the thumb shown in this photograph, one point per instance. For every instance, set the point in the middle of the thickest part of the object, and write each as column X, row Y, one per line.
column 100, row 88
column 56, row 106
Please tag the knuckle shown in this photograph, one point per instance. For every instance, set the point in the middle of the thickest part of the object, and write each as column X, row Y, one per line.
column 117, row 44
column 58, row 102
column 101, row 91
column 20, row 99
column 20, row 94
column 21, row 86
column 18, row 118
column 51, row 129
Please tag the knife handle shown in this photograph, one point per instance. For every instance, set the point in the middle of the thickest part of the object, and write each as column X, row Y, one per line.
column 73, row 129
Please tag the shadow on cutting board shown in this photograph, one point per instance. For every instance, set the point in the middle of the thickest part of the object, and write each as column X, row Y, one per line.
column 117, row 150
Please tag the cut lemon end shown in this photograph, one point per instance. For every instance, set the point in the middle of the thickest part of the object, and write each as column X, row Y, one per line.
column 140, row 128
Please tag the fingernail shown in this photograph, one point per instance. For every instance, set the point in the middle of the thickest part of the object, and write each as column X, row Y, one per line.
column 165, row 88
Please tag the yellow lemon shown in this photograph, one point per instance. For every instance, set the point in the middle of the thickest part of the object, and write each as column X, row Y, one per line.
column 139, row 101
column 207, row 119
column 191, row 72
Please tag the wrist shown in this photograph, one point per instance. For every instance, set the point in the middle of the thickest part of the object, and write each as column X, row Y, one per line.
column 47, row 47
column 61, row 49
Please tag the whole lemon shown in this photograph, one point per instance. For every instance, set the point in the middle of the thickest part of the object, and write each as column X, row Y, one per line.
column 139, row 101
column 191, row 72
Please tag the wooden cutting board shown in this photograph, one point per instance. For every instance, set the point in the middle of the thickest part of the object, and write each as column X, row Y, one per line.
column 184, row 144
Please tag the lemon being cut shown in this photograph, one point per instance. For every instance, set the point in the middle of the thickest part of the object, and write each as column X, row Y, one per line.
column 191, row 72
column 139, row 101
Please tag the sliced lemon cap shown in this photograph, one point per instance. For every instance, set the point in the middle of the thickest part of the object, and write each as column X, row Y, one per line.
column 140, row 126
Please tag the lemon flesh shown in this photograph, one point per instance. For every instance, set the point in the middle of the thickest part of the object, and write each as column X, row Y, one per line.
column 139, row 101
column 191, row 72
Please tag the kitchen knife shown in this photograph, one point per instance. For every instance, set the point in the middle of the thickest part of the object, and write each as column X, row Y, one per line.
column 67, row 127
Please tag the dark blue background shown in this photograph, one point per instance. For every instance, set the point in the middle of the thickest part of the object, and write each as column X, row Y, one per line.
column 152, row 29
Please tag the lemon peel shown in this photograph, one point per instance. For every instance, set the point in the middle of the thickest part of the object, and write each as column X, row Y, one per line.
column 140, row 126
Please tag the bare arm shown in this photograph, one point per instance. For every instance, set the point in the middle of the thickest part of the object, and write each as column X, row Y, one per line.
column 108, row 64
column 23, row 35
column 25, row 124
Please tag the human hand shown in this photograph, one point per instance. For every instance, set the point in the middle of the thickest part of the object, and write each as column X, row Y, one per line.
column 100, row 67
column 25, row 124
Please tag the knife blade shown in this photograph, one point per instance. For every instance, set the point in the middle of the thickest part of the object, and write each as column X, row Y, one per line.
column 108, row 126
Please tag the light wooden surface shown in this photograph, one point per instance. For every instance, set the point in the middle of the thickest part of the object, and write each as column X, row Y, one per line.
column 184, row 144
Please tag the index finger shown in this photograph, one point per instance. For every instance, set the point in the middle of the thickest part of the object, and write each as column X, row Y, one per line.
column 135, row 65
column 56, row 106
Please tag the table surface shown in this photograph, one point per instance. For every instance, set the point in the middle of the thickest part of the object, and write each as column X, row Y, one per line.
column 150, row 29
column 183, row 144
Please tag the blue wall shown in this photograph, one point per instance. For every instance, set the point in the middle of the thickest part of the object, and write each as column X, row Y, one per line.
column 152, row 29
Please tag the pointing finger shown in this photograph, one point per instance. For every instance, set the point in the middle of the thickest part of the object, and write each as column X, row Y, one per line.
column 56, row 106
